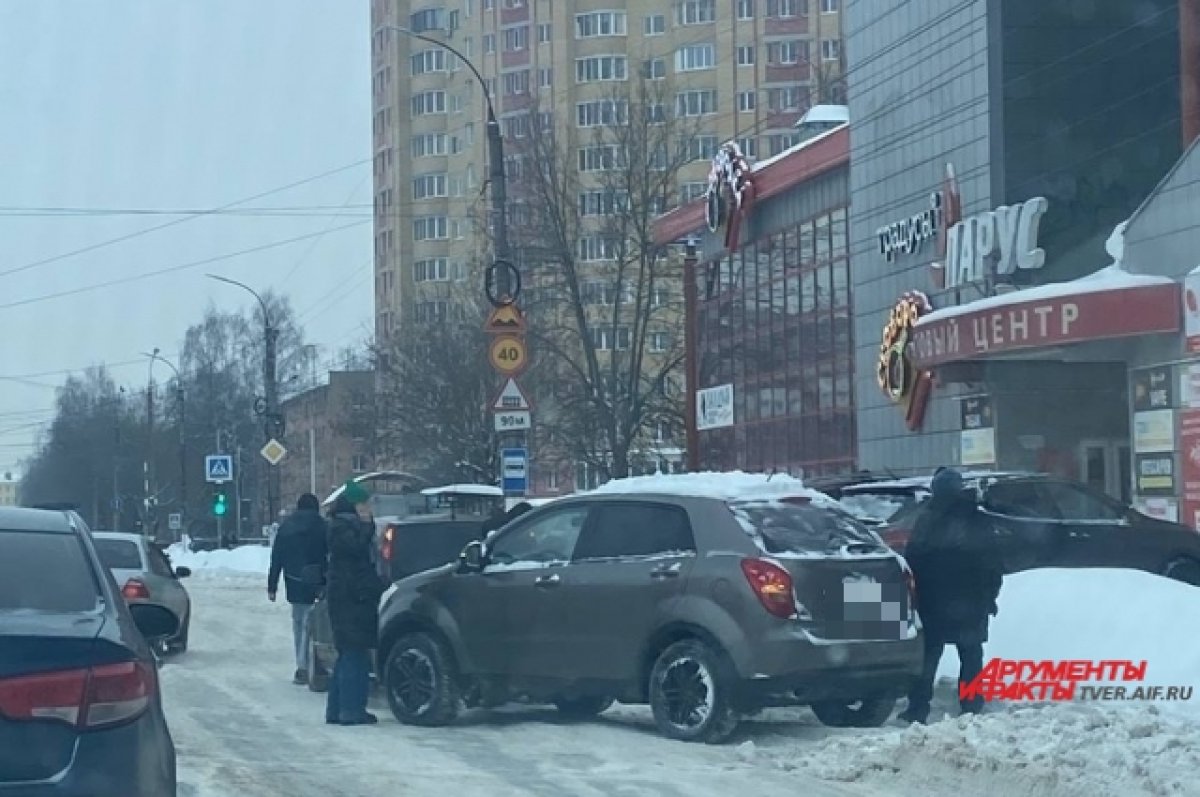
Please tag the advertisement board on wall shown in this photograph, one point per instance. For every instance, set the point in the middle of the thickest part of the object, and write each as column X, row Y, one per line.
column 1189, row 465
column 1156, row 475
column 714, row 407
column 1153, row 389
column 1154, row 431
column 1191, row 312
column 1159, row 508
column 978, row 439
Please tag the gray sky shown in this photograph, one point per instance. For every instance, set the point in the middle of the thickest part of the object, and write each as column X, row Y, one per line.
column 174, row 104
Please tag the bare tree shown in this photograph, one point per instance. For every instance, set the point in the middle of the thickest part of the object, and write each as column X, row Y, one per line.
column 605, row 299
column 434, row 387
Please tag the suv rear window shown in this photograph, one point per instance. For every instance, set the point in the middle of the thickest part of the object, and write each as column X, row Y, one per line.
column 786, row 528
column 879, row 507
column 119, row 554
column 45, row 572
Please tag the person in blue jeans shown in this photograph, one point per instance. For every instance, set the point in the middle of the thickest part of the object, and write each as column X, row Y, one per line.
column 352, row 591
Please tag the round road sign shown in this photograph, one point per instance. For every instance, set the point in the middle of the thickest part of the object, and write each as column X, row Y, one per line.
column 508, row 354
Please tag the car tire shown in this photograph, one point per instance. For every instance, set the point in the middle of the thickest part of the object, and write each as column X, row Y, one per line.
column 1183, row 569
column 420, row 678
column 583, row 708
column 318, row 677
column 866, row 713
column 705, row 713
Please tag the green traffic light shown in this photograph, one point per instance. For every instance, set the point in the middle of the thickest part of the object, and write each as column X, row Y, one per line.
column 219, row 506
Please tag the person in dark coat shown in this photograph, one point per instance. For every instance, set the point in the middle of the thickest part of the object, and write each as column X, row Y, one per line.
column 352, row 592
column 500, row 519
column 299, row 552
column 956, row 564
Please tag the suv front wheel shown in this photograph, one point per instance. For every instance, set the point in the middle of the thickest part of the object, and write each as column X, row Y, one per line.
column 422, row 681
column 690, row 693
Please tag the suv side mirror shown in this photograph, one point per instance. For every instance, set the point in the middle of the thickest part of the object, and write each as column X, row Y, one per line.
column 156, row 623
column 472, row 558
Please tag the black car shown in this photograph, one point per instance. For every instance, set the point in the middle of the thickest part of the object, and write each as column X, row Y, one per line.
column 80, row 709
column 1043, row 521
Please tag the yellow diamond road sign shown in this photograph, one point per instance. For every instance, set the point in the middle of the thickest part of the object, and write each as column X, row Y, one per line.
column 273, row 452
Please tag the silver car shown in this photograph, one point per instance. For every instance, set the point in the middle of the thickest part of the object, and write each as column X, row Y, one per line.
column 145, row 575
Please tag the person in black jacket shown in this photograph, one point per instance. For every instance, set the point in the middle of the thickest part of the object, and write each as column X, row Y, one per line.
column 353, row 592
column 299, row 552
column 956, row 564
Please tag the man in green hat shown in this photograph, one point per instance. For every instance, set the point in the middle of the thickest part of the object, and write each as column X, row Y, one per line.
column 353, row 591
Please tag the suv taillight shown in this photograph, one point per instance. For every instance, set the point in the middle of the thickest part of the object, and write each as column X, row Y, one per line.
column 385, row 549
column 135, row 589
column 84, row 698
column 773, row 586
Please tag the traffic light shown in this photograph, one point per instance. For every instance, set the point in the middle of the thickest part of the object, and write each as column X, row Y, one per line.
column 220, row 503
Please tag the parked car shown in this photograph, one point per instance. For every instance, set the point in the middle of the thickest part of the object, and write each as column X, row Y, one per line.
column 705, row 608
column 145, row 575
column 408, row 546
column 1043, row 521
column 80, row 708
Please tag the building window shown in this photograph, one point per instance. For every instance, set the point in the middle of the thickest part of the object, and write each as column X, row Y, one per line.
column 654, row 69
column 831, row 49
column 694, row 57
column 456, row 103
column 599, row 23
column 745, row 9
column 600, row 68
column 426, row 20
column 428, row 102
column 781, row 53
column 431, row 228
column 599, row 158
column 514, row 4
column 358, row 463
column 783, row 142
column 695, row 12
column 516, row 39
column 601, row 113
column 428, row 61
column 747, row 100
column 434, row 270
column 829, row 6
column 787, row 8
column 516, row 83
column 607, row 339
column 654, row 25
column 489, row 43
column 593, row 248
column 601, row 203
column 428, row 144
column 659, row 343
column 700, row 102
column 545, row 77
column 689, row 192
column 701, row 148
column 545, row 33
column 655, row 113
column 427, row 186
column 488, row 5
column 785, row 99
column 431, row 312
column 516, row 126
column 748, row 146
column 745, row 55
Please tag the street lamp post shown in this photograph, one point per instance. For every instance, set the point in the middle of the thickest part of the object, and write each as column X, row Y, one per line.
column 496, row 174
column 272, row 427
column 181, row 399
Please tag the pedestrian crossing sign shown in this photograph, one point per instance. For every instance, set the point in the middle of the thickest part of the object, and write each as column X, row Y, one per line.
column 218, row 468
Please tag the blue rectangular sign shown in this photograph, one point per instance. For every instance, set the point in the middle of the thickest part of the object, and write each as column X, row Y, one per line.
column 514, row 471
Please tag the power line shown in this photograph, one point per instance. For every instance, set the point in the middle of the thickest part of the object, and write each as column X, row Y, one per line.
column 312, row 247
column 174, row 222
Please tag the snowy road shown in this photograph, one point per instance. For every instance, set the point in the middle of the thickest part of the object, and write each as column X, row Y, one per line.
column 241, row 728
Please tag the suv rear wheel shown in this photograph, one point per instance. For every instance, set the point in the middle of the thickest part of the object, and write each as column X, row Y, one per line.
column 421, row 681
column 866, row 713
column 690, row 693
column 582, row 708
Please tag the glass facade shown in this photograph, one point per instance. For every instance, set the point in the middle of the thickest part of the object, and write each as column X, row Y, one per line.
column 774, row 320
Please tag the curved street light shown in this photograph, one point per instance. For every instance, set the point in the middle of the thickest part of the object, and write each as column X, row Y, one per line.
column 156, row 356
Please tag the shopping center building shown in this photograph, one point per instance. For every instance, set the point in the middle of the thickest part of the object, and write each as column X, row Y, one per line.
column 998, row 321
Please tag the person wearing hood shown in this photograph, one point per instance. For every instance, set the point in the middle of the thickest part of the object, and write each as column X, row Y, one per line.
column 298, row 553
column 353, row 593
column 957, row 567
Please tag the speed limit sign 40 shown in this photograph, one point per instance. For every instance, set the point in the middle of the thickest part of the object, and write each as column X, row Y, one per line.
column 508, row 355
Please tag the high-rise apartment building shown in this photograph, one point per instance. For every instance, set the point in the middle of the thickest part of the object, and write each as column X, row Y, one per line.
column 744, row 70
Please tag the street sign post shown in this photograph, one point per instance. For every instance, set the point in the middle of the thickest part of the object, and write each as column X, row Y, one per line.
column 175, row 521
column 218, row 468
column 514, row 470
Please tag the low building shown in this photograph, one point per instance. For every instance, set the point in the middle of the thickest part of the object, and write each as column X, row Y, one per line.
column 329, row 433
column 770, row 354
column 9, row 490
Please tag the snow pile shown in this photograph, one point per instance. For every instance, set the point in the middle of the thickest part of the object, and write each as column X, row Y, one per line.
column 245, row 559
column 1099, row 614
column 729, row 486
column 1063, row 749
column 1115, row 245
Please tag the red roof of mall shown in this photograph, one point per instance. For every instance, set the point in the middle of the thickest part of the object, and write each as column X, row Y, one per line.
column 804, row 162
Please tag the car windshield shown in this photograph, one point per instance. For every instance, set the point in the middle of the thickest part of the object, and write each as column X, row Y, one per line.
column 45, row 572
column 119, row 554
column 878, row 507
column 789, row 528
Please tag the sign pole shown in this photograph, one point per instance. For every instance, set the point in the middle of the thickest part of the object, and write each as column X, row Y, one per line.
column 512, row 411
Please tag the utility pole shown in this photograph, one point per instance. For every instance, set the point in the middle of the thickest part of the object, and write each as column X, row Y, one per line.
column 147, row 465
column 180, row 399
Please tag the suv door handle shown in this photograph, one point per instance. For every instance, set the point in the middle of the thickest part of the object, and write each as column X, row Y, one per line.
column 665, row 571
column 547, row 581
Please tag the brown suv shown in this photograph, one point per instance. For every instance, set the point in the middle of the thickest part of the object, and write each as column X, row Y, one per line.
column 706, row 609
